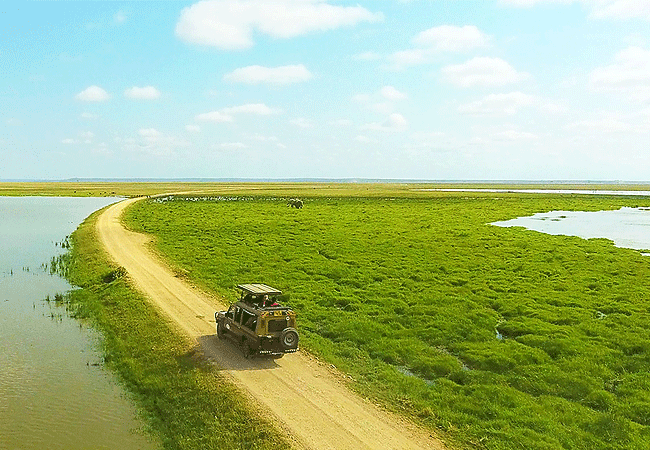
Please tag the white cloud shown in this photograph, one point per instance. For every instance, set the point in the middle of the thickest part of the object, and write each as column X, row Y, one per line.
column 365, row 139
column 341, row 122
column 361, row 98
column 629, row 74
column 231, row 24
column 390, row 93
column 227, row 114
column 193, row 128
column 444, row 38
column 89, row 116
column 529, row 3
column 497, row 104
column 622, row 9
column 482, row 71
column 93, row 94
column 13, row 122
column 514, row 135
column 102, row 149
column 381, row 101
column 87, row 136
column 215, row 116
column 478, row 141
column 411, row 57
column 152, row 142
column 420, row 136
column 142, row 93
column 119, row 17
column 270, row 75
column 600, row 9
column 68, row 141
column 552, row 108
column 302, row 122
column 449, row 38
column 381, row 107
column 606, row 125
column 149, row 133
column 252, row 108
column 395, row 122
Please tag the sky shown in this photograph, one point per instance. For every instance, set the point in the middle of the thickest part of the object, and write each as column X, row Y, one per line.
column 275, row 89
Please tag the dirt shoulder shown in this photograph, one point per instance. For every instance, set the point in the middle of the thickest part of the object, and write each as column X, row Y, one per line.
column 310, row 401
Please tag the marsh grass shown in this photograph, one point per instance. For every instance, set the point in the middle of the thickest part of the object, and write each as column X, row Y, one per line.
column 500, row 338
column 183, row 399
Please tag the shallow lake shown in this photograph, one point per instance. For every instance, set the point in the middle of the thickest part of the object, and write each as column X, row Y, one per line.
column 546, row 191
column 54, row 391
column 626, row 227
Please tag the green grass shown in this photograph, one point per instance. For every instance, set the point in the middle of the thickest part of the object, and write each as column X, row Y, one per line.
column 406, row 295
column 143, row 188
column 186, row 403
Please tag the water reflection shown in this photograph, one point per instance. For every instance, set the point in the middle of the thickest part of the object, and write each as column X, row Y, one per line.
column 54, row 391
column 626, row 227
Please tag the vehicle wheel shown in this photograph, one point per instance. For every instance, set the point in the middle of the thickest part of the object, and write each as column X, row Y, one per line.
column 248, row 351
column 289, row 338
column 220, row 331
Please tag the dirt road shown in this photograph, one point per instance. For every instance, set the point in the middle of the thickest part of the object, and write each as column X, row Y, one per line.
column 307, row 397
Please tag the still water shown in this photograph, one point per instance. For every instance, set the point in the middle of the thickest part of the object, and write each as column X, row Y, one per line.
column 546, row 191
column 54, row 391
column 626, row 227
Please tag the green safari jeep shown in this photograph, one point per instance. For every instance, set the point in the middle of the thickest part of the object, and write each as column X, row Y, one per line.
column 259, row 323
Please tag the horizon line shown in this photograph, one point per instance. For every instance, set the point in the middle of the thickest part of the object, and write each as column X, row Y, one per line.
column 314, row 180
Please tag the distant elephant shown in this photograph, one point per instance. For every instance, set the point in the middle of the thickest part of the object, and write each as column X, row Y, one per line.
column 295, row 202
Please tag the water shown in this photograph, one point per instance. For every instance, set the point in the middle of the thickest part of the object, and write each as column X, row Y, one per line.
column 626, row 227
column 546, row 191
column 54, row 391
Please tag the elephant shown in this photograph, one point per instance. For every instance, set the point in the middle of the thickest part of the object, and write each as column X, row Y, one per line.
column 296, row 203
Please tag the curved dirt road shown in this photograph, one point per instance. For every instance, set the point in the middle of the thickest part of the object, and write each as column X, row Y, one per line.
column 310, row 401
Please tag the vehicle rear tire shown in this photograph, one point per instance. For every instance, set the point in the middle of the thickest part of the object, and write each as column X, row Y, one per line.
column 289, row 338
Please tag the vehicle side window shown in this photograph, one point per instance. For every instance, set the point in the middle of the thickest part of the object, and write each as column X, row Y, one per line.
column 237, row 314
column 231, row 312
column 249, row 320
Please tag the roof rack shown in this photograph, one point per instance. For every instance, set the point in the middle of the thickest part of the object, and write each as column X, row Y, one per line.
column 259, row 289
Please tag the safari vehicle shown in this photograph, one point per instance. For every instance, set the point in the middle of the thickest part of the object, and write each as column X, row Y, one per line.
column 259, row 323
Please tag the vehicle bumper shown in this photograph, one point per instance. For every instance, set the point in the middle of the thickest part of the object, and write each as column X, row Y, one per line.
column 276, row 352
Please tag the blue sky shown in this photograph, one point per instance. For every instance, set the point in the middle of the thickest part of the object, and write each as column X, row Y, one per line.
column 420, row 89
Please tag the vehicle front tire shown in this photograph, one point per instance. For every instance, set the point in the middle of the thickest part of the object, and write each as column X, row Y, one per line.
column 248, row 351
column 220, row 331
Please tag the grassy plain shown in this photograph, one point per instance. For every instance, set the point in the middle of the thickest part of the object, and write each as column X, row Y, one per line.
column 500, row 338
column 143, row 188
column 186, row 403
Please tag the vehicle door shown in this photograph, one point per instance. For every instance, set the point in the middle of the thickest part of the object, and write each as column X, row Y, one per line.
column 229, row 322
column 249, row 323
column 237, row 327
